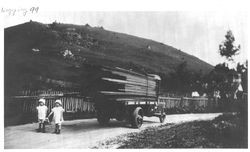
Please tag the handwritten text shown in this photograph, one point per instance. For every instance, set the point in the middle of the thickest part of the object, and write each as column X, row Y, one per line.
column 20, row 11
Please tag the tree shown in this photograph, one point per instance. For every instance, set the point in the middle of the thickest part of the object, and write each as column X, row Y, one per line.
column 227, row 48
column 221, row 76
column 183, row 81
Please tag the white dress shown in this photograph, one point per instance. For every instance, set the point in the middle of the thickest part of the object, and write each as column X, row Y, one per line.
column 42, row 112
column 58, row 115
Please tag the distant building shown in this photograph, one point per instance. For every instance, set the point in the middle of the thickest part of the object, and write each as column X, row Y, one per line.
column 234, row 78
column 195, row 94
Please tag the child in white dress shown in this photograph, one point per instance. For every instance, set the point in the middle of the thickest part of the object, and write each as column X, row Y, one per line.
column 42, row 112
column 58, row 115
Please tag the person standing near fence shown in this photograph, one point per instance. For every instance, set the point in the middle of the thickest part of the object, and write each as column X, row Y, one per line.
column 42, row 112
column 57, row 111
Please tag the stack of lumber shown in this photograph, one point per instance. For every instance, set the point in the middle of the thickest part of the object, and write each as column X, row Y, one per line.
column 125, row 85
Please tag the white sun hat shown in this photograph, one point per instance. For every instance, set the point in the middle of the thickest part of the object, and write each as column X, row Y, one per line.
column 58, row 101
column 42, row 100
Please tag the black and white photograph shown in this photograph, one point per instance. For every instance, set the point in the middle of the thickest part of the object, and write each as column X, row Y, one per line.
column 124, row 79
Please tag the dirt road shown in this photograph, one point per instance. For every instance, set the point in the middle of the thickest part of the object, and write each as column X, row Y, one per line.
column 83, row 133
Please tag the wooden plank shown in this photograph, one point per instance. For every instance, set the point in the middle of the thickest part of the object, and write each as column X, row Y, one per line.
column 187, row 98
column 129, row 93
column 123, row 81
column 132, row 99
column 140, row 87
column 137, row 91
column 128, row 73
column 126, row 82
column 121, row 71
column 121, row 93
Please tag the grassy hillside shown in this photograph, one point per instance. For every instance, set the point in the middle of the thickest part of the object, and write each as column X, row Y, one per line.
column 36, row 53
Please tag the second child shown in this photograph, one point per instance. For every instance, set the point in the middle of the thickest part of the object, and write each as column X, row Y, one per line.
column 57, row 111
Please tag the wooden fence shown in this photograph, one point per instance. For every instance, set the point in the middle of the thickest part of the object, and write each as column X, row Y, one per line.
column 44, row 93
column 70, row 104
column 186, row 105
column 22, row 108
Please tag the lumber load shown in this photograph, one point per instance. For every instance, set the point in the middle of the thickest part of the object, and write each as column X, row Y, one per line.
column 125, row 85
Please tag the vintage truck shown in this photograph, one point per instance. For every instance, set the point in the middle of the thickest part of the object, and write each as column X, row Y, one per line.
column 127, row 95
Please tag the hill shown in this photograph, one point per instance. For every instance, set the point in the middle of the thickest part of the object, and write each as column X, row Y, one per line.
column 61, row 54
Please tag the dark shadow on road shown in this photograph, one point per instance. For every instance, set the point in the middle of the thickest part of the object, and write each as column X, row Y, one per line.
column 89, row 126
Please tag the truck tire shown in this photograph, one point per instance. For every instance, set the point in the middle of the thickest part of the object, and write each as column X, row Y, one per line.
column 162, row 118
column 103, row 118
column 137, row 118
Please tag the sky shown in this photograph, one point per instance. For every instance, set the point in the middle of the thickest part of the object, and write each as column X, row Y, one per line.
column 197, row 33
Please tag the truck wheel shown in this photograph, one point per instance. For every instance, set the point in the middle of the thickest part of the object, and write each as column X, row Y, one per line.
column 137, row 118
column 102, row 118
column 162, row 118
